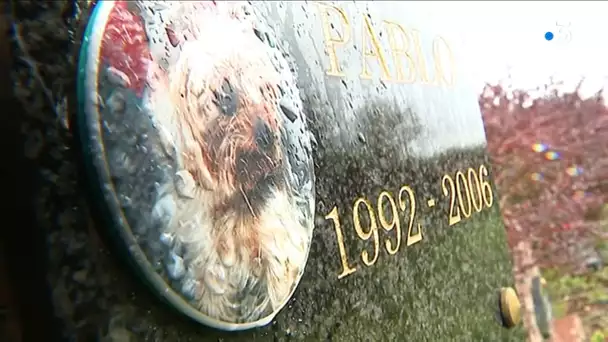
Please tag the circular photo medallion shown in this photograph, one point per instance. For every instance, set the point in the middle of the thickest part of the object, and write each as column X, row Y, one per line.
column 197, row 145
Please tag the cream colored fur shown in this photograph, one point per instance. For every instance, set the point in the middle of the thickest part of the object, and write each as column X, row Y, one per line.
column 241, row 266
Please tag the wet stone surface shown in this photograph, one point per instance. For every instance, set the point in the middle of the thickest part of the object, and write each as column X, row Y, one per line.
column 360, row 138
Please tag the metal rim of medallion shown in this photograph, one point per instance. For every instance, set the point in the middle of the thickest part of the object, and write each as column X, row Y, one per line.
column 93, row 130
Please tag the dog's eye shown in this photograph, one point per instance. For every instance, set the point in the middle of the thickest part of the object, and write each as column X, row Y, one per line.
column 226, row 99
column 264, row 138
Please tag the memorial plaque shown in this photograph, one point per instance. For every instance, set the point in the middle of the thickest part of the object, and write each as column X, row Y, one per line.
column 274, row 171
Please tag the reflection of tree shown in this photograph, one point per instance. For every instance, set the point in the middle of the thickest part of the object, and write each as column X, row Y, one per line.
column 386, row 129
column 550, row 157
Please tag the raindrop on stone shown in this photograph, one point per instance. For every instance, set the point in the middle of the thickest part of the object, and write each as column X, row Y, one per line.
column 259, row 34
column 361, row 137
column 185, row 184
column 167, row 239
column 288, row 110
column 116, row 102
column 117, row 77
column 176, row 267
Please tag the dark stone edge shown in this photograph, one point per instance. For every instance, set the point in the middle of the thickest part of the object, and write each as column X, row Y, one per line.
column 24, row 241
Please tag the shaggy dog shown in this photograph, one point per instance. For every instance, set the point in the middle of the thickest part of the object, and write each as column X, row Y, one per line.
column 231, row 208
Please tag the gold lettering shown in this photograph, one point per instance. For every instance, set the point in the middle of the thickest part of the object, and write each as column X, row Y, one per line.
column 330, row 42
column 389, row 225
column 405, row 47
column 346, row 269
column 371, row 233
column 411, row 238
column 476, row 200
column 421, row 63
column 400, row 51
column 461, row 180
column 375, row 51
column 455, row 189
column 440, row 69
column 488, row 196
column 454, row 215
column 388, row 211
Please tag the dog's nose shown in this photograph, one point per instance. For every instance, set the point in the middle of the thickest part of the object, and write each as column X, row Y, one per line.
column 226, row 99
column 264, row 138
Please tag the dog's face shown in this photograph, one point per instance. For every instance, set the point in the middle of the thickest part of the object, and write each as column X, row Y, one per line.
column 225, row 99
column 234, row 128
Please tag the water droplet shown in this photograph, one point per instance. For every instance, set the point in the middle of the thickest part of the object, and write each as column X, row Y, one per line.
column 361, row 137
column 288, row 109
column 185, row 184
column 167, row 239
column 117, row 77
column 270, row 40
column 116, row 102
column 176, row 267
column 125, row 201
column 189, row 287
column 259, row 34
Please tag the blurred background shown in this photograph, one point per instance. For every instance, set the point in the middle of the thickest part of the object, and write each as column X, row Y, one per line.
column 546, row 123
